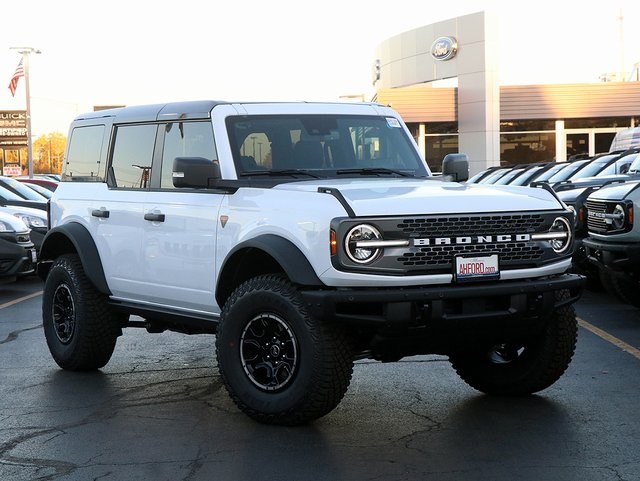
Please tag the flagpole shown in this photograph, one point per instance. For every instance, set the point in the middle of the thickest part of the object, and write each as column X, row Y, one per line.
column 25, row 51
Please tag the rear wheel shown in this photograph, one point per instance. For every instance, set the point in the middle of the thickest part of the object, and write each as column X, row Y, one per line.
column 278, row 363
column 80, row 328
column 523, row 367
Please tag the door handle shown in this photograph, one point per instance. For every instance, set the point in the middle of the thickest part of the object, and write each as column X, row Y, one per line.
column 100, row 213
column 154, row 217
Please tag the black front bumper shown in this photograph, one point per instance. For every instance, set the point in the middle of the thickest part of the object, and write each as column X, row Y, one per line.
column 618, row 257
column 15, row 260
column 414, row 306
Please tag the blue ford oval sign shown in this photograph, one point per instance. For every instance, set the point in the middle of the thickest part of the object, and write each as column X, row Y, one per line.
column 444, row 48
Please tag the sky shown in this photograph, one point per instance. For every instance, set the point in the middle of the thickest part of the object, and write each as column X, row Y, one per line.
column 136, row 52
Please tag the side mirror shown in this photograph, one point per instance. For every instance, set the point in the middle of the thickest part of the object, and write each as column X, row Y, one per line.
column 194, row 172
column 456, row 166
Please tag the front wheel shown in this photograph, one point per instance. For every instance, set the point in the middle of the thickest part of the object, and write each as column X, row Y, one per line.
column 522, row 367
column 278, row 363
column 80, row 328
column 626, row 289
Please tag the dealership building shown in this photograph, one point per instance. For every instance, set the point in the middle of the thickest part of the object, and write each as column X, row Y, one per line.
column 491, row 123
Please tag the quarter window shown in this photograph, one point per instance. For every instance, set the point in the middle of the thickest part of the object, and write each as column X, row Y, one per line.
column 83, row 158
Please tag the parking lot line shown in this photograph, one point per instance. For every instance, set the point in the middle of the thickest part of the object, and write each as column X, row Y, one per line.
column 609, row 338
column 20, row 299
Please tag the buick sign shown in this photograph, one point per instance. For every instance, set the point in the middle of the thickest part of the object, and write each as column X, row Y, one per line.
column 444, row 48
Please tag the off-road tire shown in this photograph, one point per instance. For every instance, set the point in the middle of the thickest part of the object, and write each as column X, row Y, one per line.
column 278, row 363
column 606, row 279
column 627, row 289
column 531, row 366
column 80, row 328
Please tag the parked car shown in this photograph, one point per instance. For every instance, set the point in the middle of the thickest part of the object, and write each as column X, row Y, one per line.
column 17, row 253
column 48, row 182
column 626, row 139
column 9, row 197
column 474, row 179
column 22, row 190
column 40, row 189
column 567, row 170
column 35, row 219
column 494, row 176
column 629, row 162
column 591, row 168
column 533, row 174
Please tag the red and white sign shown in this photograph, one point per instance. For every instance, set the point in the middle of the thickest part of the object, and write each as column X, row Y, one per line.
column 11, row 170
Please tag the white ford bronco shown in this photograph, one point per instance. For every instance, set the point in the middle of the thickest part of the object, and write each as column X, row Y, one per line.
column 305, row 236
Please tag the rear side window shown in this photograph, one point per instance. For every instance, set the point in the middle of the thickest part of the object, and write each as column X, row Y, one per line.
column 83, row 156
column 132, row 155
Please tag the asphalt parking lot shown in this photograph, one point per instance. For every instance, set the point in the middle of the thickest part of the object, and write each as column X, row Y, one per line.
column 158, row 412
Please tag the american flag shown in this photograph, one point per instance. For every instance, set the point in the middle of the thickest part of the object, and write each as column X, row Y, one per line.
column 13, row 84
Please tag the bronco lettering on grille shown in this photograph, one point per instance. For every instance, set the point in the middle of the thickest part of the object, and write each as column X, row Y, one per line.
column 466, row 240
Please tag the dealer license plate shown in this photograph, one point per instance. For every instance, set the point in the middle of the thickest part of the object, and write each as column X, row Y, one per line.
column 477, row 267
column 34, row 256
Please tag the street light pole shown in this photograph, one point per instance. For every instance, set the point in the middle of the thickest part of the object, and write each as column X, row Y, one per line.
column 25, row 51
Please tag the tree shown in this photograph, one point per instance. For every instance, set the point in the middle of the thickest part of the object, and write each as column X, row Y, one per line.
column 48, row 152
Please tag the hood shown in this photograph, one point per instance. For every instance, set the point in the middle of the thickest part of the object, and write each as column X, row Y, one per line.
column 421, row 196
column 590, row 181
column 13, row 223
column 20, row 209
column 615, row 191
column 571, row 195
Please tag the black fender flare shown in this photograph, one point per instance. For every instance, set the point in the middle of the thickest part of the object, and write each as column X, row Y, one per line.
column 68, row 238
column 293, row 262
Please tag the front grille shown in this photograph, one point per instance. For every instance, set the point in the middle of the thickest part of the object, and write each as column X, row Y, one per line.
column 442, row 255
column 470, row 225
column 435, row 241
column 594, row 223
column 605, row 217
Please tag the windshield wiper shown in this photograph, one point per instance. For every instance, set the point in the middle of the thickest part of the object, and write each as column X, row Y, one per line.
column 375, row 171
column 292, row 172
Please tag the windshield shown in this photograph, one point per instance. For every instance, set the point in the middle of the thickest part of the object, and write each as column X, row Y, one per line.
column 40, row 190
column 568, row 171
column 620, row 166
column 491, row 178
column 634, row 168
column 529, row 174
column 303, row 146
column 593, row 167
column 551, row 172
column 6, row 194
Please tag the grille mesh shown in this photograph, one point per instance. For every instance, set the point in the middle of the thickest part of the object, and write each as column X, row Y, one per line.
column 440, row 257
column 596, row 224
column 481, row 225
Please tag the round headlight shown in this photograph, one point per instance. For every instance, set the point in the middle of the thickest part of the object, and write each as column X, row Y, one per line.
column 561, row 239
column 360, row 243
column 618, row 217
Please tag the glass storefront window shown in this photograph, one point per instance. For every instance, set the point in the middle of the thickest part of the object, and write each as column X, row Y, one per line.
column 437, row 147
column 604, row 122
column 527, row 147
column 526, row 125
